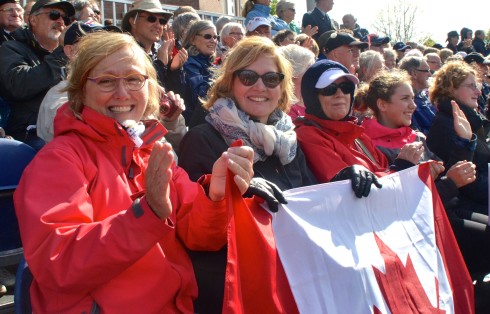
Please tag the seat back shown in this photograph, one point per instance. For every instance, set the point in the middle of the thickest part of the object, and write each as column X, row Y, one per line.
column 14, row 157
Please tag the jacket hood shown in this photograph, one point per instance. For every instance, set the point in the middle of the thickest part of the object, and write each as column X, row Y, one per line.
column 391, row 138
column 308, row 89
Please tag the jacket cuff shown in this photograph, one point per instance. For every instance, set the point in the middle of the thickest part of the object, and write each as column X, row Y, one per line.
column 401, row 164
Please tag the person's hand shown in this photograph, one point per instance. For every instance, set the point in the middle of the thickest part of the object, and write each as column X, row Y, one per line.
column 467, row 42
column 178, row 103
column 157, row 179
column 308, row 43
column 310, row 31
column 267, row 191
column 461, row 125
column 361, row 179
column 436, row 168
column 462, row 173
column 239, row 160
column 179, row 60
column 411, row 152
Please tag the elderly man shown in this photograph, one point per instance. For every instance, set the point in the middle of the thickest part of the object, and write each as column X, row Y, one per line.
column 31, row 64
column 146, row 21
column 350, row 22
column 86, row 10
column 319, row 17
column 344, row 49
column 11, row 18
column 434, row 61
column 419, row 71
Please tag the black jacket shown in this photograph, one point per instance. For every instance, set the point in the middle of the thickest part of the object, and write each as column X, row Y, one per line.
column 442, row 141
column 317, row 18
column 27, row 72
column 480, row 47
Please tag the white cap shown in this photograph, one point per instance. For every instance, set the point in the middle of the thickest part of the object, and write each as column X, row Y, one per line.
column 333, row 74
column 256, row 22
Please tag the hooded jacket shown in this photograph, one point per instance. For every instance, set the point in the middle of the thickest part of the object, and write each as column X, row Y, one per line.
column 27, row 72
column 89, row 236
column 330, row 146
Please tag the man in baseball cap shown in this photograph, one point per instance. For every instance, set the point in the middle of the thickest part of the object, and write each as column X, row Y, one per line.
column 31, row 64
column 345, row 49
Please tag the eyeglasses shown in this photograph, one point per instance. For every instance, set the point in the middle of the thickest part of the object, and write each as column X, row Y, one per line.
column 236, row 34
column 249, row 78
column 423, row 70
column 208, row 36
column 55, row 15
column 152, row 19
column 434, row 62
column 108, row 83
column 345, row 87
column 18, row 11
column 292, row 10
column 473, row 86
column 96, row 11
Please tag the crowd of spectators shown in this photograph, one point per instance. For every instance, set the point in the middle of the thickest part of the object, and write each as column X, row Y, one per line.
column 368, row 105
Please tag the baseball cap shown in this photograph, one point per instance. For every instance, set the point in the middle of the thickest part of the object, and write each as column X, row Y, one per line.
column 333, row 74
column 400, row 46
column 63, row 5
column 476, row 57
column 343, row 39
column 375, row 40
column 256, row 22
column 152, row 6
column 79, row 29
column 2, row 2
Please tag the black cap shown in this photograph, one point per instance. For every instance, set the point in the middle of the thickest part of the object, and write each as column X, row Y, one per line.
column 343, row 39
column 437, row 46
column 400, row 46
column 476, row 57
column 375, row 40
column 63, row 5
column 2, row 2
column 80, row 29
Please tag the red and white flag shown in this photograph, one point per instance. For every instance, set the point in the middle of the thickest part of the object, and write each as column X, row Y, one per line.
column 392, row 252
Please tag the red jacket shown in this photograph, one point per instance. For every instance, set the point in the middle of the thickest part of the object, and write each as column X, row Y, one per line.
column 329, row 147
column 87, row 238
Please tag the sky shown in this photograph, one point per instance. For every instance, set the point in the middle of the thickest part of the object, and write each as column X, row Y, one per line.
column 436, row 17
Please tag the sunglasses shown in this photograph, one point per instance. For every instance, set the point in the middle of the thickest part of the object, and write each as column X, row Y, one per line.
column 249, row 78
column 96, row 11
column 345, row 87
column 208, row 36
column 55, row 15
column 423, row 70
column 152, row 19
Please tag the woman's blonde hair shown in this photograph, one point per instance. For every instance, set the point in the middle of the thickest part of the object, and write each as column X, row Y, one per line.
column 448, row 78
column 95, row 47
column 243, row 54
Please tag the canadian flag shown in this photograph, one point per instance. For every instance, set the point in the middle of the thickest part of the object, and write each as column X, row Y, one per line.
column 392, row 252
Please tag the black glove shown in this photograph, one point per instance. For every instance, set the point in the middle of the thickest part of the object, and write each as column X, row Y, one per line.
column 361, row 179
column 268, row 191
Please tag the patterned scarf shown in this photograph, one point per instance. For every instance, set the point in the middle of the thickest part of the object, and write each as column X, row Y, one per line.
column 277, row 137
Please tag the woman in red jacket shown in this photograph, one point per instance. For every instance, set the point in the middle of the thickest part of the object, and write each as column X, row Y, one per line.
column 104, row 212
column 335, row 146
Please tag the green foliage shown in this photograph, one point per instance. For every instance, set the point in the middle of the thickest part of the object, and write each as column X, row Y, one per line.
column 273, row 7
column 428, row 42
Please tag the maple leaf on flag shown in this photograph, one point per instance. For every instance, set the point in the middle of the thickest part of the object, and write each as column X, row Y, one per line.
column 400, row 286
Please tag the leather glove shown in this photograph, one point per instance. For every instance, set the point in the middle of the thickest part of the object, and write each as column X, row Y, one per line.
column 361, row 179
column 268, row 191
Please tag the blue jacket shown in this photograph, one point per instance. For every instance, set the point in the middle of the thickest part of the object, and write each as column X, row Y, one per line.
column 424, row 113
column 198, row 76
column 261, row 10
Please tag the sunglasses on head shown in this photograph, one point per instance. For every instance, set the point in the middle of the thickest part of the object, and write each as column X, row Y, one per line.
column 55, row 15
column 153, row 19
column 345, row 87
column 208, row 36
column 249, row 78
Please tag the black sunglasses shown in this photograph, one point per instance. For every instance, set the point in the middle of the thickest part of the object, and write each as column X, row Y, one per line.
column 55, row 15
column 423, row 70
column 345, row 87
column 96, row 11
column 249, row 78
column 153, row 19
column 208, row 36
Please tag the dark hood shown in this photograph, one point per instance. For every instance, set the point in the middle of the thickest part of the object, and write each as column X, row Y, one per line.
column 308, row 90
